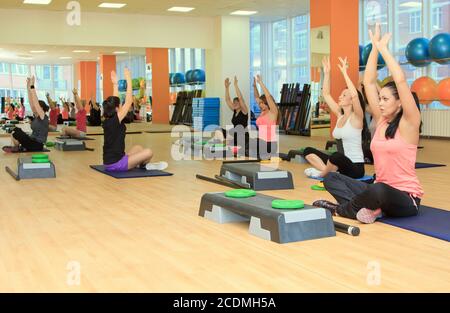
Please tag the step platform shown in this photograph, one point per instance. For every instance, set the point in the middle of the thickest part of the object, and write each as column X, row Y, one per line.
column 281, row 226
column 257, row 176
column 70, row 145
column 26, row 169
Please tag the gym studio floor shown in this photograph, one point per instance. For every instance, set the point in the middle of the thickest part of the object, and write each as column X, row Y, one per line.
column 145, row 235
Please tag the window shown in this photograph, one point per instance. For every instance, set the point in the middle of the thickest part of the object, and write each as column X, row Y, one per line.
column 19, row 69
column 437, row 18
column 199, row 58
column 279, row 51
column 182, row 60
column 415, row 22
column 408, row 20
column 4, row 68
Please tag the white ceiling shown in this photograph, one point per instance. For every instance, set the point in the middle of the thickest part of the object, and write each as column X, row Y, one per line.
column 265, row 8
column 19, row 53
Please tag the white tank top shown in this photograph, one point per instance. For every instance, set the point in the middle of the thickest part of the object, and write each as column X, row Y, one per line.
column 351, row 141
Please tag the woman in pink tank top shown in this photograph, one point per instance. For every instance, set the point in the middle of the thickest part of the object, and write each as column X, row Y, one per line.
column 397, row 191
column 80, row 117
column 267, row 145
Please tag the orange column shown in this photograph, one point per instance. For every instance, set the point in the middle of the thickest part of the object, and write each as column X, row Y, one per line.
column 158, row 59
column 107, row 65
column 344, row 25
column 86, row 78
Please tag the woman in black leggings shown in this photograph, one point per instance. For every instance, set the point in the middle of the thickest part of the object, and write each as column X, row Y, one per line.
column 349, row 131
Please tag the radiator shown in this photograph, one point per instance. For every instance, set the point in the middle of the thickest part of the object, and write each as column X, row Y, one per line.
column 436, row 123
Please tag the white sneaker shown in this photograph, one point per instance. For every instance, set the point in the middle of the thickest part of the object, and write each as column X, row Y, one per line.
column 159, row 166
column 312, row 172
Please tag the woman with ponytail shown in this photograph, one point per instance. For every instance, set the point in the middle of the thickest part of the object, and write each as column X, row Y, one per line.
column 397, row 191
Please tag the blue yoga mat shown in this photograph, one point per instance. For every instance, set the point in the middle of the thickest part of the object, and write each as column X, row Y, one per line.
column 134, row 173
column 428, row 165
column 365, row 178
column 430, row 221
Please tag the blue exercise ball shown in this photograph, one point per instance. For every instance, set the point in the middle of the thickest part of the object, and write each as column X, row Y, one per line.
column 416, row 52
column 198, row 76
column 189, row 76
column 362, row 66
column 365, row 57
column 439, row 48
column 179, row 79
column 122, row 84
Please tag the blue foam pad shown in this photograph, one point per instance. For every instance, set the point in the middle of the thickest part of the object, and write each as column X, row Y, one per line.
column 428, row 165
column 134, row 173
column 430, row 221
column 365, row 178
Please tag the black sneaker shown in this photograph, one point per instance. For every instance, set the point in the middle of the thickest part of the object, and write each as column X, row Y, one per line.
column 330, row 206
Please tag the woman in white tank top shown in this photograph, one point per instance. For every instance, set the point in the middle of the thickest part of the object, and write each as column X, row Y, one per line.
column 349, row 160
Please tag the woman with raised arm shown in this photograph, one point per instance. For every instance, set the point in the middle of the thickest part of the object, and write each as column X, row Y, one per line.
column 114, row 157
column 80, row 130
column 397, row 191
column 239, row 119
column 350, row 128
column 267, row 145
column 39, row 126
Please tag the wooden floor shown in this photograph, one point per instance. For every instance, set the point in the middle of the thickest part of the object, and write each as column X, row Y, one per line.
column 144, row 235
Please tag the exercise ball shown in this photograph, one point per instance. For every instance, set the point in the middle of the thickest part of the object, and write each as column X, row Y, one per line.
column 189, row 76
column 198, row 76
column 443, row 91
column 136, row 84
column 426, row 89
column 365, row 57
column 362, row 65
column 439, row 48
column 416, row 52
column 386, row 80
column 122, row 84
column 179, row 79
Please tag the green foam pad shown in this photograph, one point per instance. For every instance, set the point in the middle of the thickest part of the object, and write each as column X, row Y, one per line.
column 40, row 161
column 317, row 188
column 50, row 144
column 240, row 193
column 39, row 156
column 288, row 204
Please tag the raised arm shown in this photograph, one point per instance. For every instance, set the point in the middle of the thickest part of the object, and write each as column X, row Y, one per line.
column 371, row 75
column 32, row 96
column 242, row 103
column 78, row 103
column 93, row 103
column 123, row 110
column 115, row 83
column 272, row 105
column 357, row 109
column 410, row 111
column 51, row 103
column 227, row 94
column 255, row 91
column 326, row 90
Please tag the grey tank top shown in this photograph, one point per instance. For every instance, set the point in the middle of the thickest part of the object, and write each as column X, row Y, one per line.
column 39, row 129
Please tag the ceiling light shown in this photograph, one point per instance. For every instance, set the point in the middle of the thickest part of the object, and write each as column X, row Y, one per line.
column 411, row 4
column 241, row 12
column 37, row 1
column 81, row 51
column 180, row 9
column 65, row 58
column 109, row 5
column 120, row 52
column 38, row 51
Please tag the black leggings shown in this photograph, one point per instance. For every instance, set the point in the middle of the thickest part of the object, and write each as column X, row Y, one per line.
column 345, row 165
column 26, row 141
column 353, row 195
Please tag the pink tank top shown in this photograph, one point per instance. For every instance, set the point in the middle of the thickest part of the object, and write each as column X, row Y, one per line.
column 81, row 120
column 395, row 162
column 267, row 128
